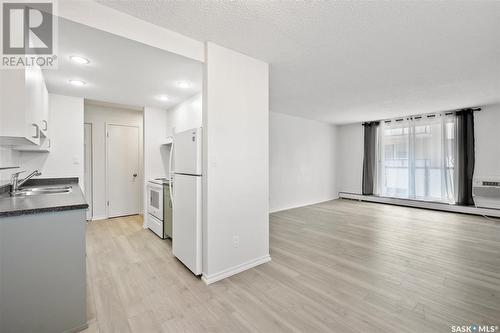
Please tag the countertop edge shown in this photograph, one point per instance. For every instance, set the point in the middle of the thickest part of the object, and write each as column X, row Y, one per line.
column 43, row 210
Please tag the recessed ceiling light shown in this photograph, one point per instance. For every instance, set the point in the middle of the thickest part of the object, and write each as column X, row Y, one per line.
column 79, row 60
column 78, row 83
column 183, row 84
column 163, row 98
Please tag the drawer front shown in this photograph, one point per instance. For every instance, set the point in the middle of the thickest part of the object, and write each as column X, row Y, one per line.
column 155, row 225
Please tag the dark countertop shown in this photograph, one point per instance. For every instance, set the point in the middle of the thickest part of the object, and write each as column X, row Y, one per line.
column 34, row 204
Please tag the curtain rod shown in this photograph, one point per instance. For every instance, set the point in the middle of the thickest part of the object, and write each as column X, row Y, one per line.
column 428, row 115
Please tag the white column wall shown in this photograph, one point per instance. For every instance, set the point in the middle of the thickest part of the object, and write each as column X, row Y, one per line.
column 236, row 170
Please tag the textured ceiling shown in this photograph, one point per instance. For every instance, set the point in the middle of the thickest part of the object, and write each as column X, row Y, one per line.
column 120, row 71
column 352, row 61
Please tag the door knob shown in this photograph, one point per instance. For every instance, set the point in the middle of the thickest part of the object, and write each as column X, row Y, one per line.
column 135, row 175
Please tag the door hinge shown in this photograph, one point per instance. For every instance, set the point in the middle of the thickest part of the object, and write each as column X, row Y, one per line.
column 107, row 134
column 108, row 203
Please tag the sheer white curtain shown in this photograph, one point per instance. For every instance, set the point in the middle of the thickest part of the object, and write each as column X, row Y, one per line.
column 416, row 158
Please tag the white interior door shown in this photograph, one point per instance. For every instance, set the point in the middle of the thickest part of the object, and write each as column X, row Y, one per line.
column 87, row 168
column 123, row 170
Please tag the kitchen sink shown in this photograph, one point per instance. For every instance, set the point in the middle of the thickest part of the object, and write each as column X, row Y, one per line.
column 42, row 191
column 46, row 188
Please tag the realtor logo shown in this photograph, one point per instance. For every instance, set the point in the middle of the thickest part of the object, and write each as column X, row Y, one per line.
column 28, row 34
column 27, row 28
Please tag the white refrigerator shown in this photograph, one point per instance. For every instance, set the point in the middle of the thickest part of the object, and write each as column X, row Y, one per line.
column 187, row 199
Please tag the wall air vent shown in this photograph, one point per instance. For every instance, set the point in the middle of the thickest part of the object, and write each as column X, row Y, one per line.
column 486, row 193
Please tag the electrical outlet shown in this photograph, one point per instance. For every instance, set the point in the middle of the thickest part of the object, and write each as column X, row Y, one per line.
column 236, row 242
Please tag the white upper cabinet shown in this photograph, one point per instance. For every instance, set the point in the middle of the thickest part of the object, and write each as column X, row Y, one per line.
column 23, row 107
column 41, row 100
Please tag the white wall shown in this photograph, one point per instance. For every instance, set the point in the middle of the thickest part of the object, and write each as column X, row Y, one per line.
column 185, row 115
column 182, row 117
column 8, row 158
column 99, row 116
column 350, row 158
column 236, row 170
column 155, row 153
column 159, row 124
column 302, row 158
column 66, row 134
column 487, row 139
column 66, row 139
column 487, row 142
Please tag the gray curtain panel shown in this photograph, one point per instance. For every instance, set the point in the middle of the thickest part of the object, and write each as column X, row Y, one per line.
column 369, row 156
column 465, row 156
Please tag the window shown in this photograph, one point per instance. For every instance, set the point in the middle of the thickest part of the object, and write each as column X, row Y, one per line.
column 416, row 158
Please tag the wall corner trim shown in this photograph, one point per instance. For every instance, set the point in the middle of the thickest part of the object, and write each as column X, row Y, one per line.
column 209, row 279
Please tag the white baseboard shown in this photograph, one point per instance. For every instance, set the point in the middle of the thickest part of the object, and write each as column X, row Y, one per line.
column 304, row 204
column 208, row 279
column 422, row 204
column 97, row 218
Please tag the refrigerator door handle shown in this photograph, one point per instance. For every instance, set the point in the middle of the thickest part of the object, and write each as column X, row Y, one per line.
column 170, row 172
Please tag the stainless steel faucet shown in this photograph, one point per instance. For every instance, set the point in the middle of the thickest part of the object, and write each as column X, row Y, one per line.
column 16, row 183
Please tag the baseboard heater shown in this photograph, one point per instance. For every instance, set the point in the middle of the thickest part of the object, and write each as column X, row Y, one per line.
column 486, row 193
column 422, row 204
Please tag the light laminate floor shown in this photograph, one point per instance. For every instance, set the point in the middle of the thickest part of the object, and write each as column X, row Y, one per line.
column 339, row 266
